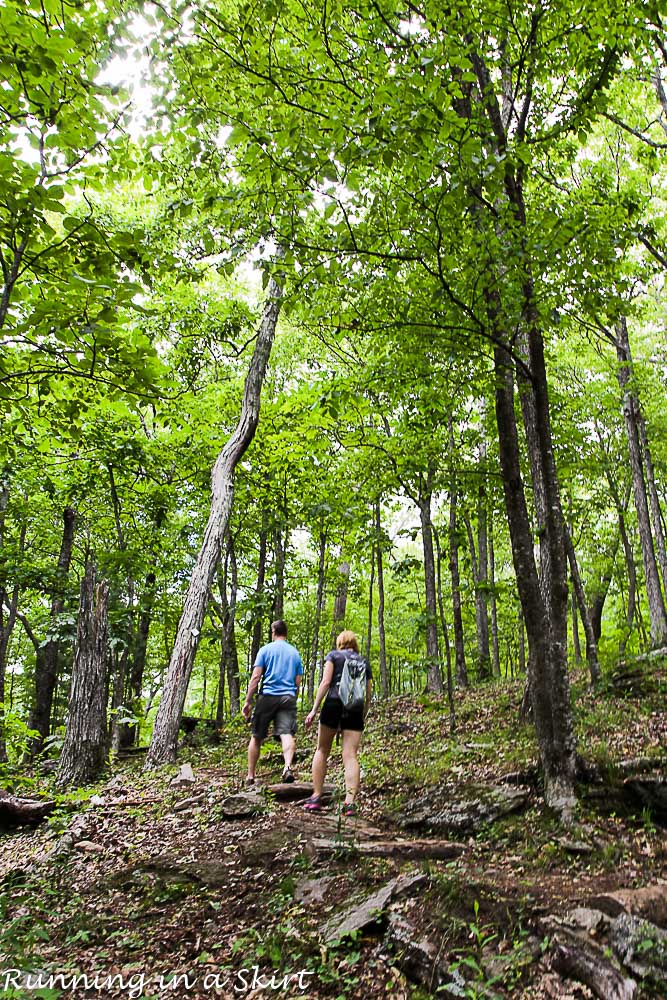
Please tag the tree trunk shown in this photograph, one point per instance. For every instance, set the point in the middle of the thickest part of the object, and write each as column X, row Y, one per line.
column 258, row 627
column 656, row 604
column 340, row 599
column 445, row 636
column 229, row 658
column 369, row 625
column 85, row 748
column 319, row 607
column 656, row 511
column 46, row 664
column 9, row 604
column 434, row 675
column 591, row 644
column 384, row 674
column 480, row 581
column 459, row 645
column 495, row 639
column 131, row 733
column 165, row 733
column 279, row 552
column 546, row 624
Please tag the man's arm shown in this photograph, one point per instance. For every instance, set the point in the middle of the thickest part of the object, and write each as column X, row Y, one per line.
column 255, row 678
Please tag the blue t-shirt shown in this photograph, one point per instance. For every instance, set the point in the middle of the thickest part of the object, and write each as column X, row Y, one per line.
column 281, row 664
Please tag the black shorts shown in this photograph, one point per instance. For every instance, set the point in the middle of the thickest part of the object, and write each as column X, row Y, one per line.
column 335, row 716
column 277, row 708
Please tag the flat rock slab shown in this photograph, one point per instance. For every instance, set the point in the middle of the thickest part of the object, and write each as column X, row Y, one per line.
column 366, row 910
column 330, row 824
column 461, row 810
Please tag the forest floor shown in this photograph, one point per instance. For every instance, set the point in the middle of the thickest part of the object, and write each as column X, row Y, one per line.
column 145, row 888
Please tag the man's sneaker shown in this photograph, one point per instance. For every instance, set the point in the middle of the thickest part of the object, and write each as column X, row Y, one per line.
column 288, row 776
column 250, row 782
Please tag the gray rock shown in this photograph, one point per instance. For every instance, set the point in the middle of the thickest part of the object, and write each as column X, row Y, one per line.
column 312, row 890
column 649, row 902
column 184, row 778
column 461, row 810
column 418, row 957
column 650, row 793
column 640, row 946
column 242, row 805
column 362, row 912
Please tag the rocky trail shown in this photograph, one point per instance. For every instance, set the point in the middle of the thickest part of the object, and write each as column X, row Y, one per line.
column 453, row 880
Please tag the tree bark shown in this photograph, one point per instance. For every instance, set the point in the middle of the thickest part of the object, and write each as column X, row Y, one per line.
column 85, row 748
column 46, row 664
column 656, row 604
column 165, row 733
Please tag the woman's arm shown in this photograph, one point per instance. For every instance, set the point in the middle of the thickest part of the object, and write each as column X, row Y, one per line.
column 325, row 684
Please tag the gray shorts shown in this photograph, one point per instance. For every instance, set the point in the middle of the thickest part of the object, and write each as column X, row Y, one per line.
column 277, row 708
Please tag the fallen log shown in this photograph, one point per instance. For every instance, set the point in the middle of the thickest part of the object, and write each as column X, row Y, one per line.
column 403, row 849
column 15, row 811
column 295, row 790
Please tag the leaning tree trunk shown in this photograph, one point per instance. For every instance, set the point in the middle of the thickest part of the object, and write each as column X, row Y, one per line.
column 384, row 673
column 46, row 664
column 85, row 748
column 656, row 604
column 434, row 676
column 165, row 732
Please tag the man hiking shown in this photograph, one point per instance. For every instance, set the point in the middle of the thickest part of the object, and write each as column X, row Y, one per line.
column 278, row 668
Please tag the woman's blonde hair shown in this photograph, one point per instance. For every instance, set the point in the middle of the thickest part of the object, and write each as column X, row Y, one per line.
column 347, row 640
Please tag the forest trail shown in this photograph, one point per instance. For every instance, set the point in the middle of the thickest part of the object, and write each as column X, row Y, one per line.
column 150, row 879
